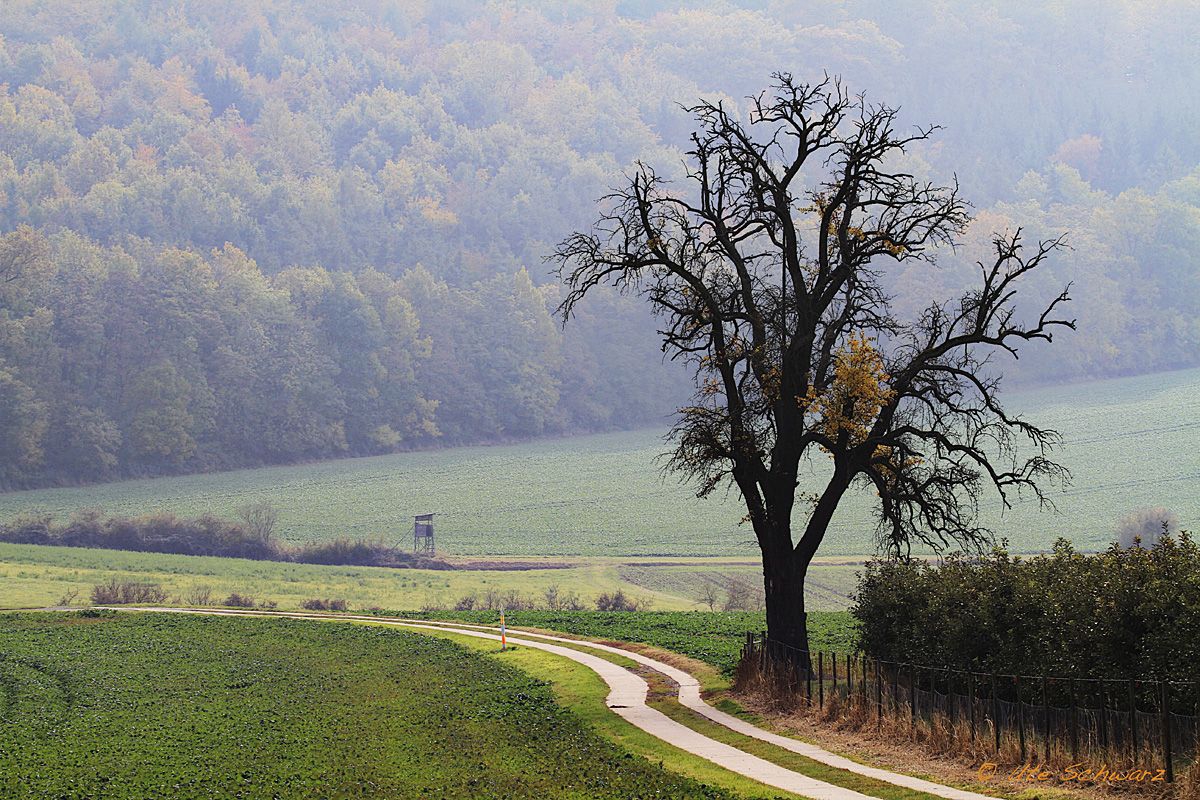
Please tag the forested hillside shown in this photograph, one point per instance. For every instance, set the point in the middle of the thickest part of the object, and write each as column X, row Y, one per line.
column 253, row 232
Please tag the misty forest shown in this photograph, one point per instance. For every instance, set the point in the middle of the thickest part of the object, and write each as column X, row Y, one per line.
column 242, row 236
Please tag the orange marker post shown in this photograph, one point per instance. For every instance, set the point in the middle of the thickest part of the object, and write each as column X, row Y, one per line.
column 503, row 639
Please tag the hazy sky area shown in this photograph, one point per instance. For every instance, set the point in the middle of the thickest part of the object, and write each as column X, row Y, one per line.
column 285, row 231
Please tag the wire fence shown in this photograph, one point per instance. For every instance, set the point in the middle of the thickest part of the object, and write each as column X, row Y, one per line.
column 1140, row 721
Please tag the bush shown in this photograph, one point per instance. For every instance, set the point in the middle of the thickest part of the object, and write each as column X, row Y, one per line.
column 1123, row 613
column 258, row 519
column 29, row 529
column 199, row 596
column 618, row 601
column 495, row 600
column 117, row 592
column 157, row 533
column 239, row 601
column 347, row 552
column 316, row 604
column 557, row 600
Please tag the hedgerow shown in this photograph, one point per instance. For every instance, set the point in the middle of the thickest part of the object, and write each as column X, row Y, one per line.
column 1127, row 612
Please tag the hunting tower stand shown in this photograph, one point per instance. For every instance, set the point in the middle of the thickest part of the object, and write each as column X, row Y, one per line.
column 423, row 533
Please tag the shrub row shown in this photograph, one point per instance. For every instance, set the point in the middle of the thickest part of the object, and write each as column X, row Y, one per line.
column 552, row 599
column 118, row 592
column 1128, row 612
column 202, row 536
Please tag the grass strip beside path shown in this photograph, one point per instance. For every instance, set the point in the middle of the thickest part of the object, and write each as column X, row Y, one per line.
column 583, row 692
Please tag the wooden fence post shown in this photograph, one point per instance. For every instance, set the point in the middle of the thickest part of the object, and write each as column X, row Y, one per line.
column 808, row 679
column 996, row 713
column 1074, row 723
column 821, row 679
column 833, row 659
column 878, row 697
column 1166, row 734
column 1133, row 731
column 971, row 701
column 1103, row 715
column 950, row 698
column 912, row 695
column 1020, row 716
column 1046, row 722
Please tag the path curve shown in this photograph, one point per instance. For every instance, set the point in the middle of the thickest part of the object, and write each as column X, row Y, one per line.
column 627, row 698
column 689, row 696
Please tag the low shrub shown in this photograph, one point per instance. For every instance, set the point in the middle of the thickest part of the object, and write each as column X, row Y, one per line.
column 346, row 552
column 117, row 592
column 236, row 600
column 495, row 600
column 619, row 601
column 556, row 600
column 199, row 596
column 317, row 604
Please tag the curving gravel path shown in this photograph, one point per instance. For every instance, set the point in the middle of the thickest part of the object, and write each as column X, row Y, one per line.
column 627, row 698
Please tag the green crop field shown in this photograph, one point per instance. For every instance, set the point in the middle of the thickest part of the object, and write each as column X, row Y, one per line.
column 712, row 637
column 828, row 586
column 144, row 706
column 1129, row 442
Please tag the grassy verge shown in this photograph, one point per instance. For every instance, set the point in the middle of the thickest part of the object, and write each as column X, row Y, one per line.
column 149, row 705
column 583, row 692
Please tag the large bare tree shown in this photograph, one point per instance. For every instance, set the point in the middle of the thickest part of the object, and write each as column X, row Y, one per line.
column 766, row 268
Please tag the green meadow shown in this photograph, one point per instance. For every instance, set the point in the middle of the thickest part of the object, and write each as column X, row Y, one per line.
column 1128, row 443
column 153, row 705
column 33, row 576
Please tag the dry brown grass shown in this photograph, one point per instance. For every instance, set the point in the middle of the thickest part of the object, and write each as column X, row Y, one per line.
column 1189, row 783
column 944, row 752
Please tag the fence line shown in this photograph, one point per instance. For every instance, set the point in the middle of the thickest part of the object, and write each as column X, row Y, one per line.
column 1143, row 720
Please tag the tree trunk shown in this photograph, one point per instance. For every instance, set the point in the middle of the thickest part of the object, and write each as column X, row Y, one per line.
column 787, row 628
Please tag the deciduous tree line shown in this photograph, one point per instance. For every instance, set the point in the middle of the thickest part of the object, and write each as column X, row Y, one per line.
column 137, row 359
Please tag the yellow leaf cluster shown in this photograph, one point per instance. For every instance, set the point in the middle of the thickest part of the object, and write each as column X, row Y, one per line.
column 892, row 464
column 857, row 394
column 771, row 378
